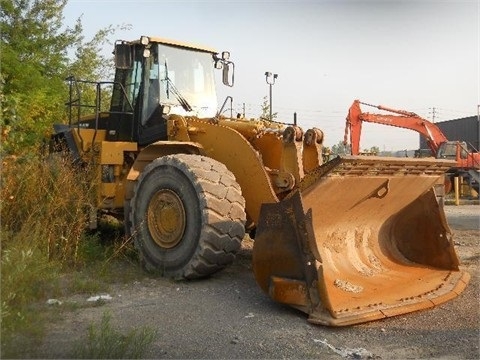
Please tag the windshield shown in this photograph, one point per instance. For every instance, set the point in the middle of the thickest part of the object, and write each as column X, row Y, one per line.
column 183, row 79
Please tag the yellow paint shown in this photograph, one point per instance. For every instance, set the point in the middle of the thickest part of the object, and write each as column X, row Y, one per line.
column 112, row 152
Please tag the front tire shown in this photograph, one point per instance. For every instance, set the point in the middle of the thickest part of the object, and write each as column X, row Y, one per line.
column 187, row 216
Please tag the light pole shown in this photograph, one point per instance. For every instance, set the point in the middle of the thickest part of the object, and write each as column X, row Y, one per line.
column 270, row 79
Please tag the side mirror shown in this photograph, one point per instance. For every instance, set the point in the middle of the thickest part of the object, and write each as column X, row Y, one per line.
column 228, row 74
column 123, row 56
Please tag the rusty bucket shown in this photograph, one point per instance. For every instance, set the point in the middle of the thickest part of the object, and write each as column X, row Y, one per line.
column 362, row 238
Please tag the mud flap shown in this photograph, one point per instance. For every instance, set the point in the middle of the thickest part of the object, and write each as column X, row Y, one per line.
column 373, row 243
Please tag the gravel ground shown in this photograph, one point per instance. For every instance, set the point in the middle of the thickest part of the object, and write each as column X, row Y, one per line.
column 228, row 316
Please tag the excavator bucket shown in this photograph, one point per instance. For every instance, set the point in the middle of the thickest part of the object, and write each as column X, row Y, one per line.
column 362, row 238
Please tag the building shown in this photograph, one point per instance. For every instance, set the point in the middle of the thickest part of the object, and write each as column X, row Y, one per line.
column 464, row 129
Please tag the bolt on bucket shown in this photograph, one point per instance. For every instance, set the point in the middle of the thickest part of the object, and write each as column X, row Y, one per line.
column 361, row 239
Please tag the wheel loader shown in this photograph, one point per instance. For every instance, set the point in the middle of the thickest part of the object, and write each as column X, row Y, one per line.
column 347, row 241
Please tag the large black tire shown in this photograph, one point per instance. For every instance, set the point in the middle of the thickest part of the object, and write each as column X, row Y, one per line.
column 187, row 216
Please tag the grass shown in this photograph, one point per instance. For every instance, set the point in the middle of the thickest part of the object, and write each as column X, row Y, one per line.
column 104, row 342
column 46, row 249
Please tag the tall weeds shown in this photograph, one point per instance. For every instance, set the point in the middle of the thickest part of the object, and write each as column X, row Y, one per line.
column 44, row 212
column 45, row 205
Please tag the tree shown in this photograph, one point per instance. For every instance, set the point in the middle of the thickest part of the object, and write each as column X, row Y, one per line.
column 89, row 64
column 33, row 51
column 35, row 62
column 341, row 148
column 266, row 110
column 374, row 150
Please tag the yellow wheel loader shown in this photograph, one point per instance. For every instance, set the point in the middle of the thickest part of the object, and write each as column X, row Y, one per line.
column 347, row 241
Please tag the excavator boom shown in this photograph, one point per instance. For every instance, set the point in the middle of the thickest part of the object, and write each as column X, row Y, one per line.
column 467, row 162
column 403, row 119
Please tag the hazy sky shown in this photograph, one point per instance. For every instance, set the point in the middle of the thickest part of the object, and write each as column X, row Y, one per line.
column 411, row 55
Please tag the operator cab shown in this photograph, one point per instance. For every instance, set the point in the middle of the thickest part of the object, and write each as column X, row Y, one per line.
column 448, row 150
column 158, row 77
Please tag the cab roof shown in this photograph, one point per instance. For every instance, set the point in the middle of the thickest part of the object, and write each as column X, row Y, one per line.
column 180, row 44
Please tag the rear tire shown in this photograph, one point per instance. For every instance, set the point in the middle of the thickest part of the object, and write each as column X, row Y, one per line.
column 187, row 216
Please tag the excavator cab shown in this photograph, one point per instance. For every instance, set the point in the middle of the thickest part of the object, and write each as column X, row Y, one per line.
column 447, row 150
column 453, row 150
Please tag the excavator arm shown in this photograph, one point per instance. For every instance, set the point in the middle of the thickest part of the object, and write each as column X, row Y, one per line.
column 403, row 119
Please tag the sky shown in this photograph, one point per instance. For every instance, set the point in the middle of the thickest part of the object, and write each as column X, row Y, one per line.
column 421, row 56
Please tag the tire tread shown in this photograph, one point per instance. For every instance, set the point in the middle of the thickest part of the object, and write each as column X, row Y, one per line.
column 223, row 215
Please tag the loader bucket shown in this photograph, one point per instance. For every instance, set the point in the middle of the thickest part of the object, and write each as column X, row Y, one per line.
column 361, row 239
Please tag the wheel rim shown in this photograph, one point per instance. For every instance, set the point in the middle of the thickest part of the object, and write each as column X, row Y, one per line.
column 166, row 218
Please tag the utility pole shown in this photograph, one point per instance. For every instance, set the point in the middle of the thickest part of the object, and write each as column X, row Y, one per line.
column 433, row 113
column 270, row 79
column 478, row 126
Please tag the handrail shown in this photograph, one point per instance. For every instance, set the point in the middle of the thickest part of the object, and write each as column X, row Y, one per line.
column 76, row 101
column 223, row 106
column 73, row 84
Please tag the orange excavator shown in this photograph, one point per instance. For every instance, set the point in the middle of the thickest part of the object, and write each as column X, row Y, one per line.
column 467, row 161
